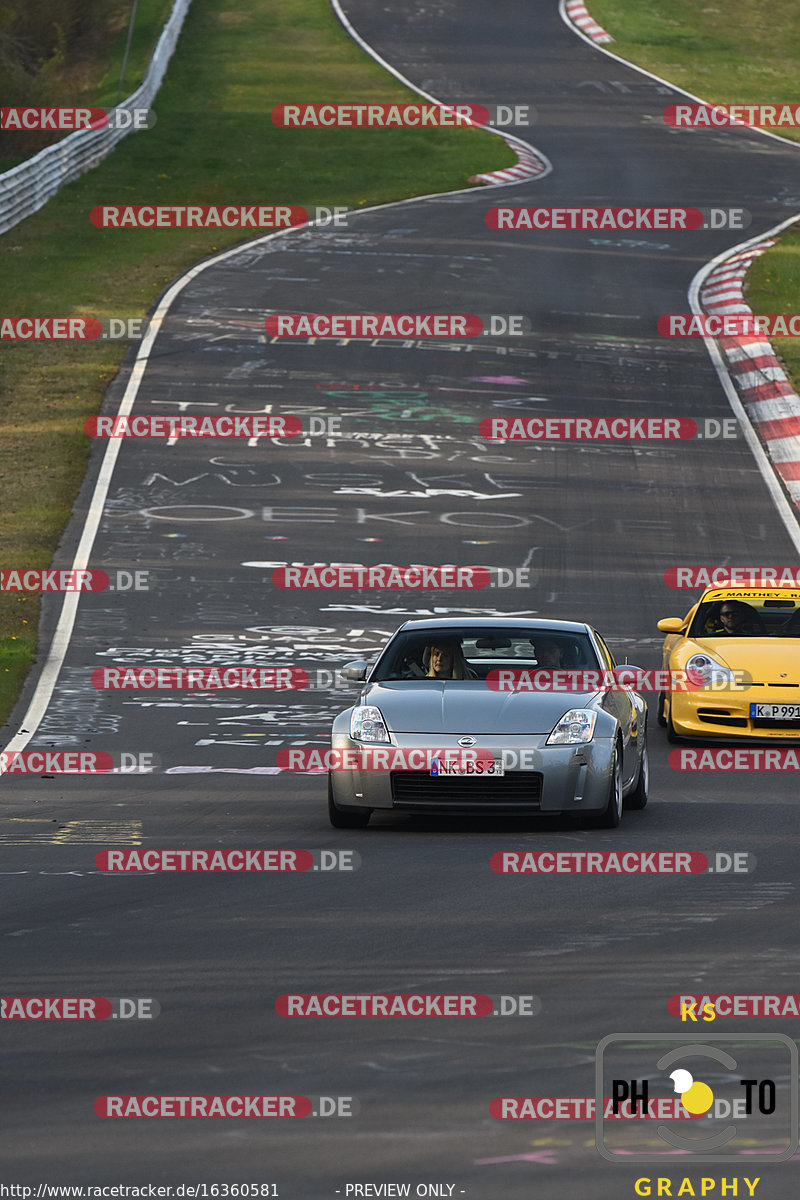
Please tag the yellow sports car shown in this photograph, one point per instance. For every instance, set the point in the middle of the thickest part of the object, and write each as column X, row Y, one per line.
column 738, row 649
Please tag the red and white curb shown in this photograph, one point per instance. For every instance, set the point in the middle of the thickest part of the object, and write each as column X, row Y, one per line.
column 577, row 13
column 771, row 402
column 529, row 165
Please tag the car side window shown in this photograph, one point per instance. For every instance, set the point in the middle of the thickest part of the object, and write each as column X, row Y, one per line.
column 605, row 652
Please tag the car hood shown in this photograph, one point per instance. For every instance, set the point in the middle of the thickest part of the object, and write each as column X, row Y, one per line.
column 464, row 707
column 764, row 659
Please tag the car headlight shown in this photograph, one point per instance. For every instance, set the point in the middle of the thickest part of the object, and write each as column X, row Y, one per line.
column 575, row 726
column 704, row 671
column 367, row 724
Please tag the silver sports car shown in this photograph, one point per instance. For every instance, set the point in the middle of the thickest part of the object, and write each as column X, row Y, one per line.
column 469, row 715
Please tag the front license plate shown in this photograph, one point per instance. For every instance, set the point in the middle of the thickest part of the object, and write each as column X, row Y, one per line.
column 441, row 766
column 776, row 712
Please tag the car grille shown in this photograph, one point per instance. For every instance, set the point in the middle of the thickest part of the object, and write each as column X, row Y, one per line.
column 513, row 792
column 720, row 716
column 773, row 723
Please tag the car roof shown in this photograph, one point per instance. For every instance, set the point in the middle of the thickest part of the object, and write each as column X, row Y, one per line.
column 455, row 623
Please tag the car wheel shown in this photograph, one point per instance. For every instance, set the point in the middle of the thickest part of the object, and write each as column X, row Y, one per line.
column 613, row 813
column 662, row 720
column 672, row 735
column 638, row 797
column 346, row 818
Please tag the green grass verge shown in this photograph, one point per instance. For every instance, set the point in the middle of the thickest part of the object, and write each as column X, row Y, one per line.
column 91, row 76
column 151, row 16
column 736, row 52
column 213, row 142
column 773, row 286
column 731, row 52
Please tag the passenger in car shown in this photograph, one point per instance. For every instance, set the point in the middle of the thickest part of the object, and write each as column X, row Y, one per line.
column 549, row 653
column 792, row 626
column 736, row 619
column 445, row 660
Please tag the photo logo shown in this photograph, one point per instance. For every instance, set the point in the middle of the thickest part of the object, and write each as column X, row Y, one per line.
column 696, row 1098
column 738, row 1095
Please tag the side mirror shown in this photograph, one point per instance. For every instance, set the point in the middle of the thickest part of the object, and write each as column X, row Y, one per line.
column 671, row 624
column 628, row 676
column 356, row 671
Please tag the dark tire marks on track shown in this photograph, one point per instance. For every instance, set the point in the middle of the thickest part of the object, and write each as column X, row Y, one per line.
column 599, row 524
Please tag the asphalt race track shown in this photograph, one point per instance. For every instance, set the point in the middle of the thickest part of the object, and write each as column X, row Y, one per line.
column 407, row 479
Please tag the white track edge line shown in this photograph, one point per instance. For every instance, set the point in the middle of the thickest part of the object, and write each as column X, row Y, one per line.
column 59, row 645
column 510, row 138
column 763, row 462
column 765, row 466
column 675, row 87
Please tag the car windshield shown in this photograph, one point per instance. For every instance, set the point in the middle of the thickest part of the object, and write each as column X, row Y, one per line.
column 748, row 614
column 466, row 653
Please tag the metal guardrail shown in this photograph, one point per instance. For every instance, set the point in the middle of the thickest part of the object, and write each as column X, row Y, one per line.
column 27, row 187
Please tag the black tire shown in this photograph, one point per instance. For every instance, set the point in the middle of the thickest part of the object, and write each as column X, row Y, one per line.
column 613, row 813
column 638, row 797
column 672, row 736
column 662, row 720
column 346, row 818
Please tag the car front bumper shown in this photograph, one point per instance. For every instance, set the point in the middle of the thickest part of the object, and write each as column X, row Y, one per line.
column 538, row 778
column 726, row 714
